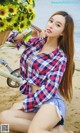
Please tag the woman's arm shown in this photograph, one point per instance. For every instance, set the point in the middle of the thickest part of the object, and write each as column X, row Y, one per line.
column 17, row 38
column 20, row 36
column 36, row 32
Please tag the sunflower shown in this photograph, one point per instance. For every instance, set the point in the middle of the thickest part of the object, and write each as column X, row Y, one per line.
column 22, row 7
column 18, row 1
column 15, row 26
column 12, row 9
column 22, row 26
column 29, row 9
column 11, row 20
column 29, row 1
column 32, row 16
column 3, row 12
column 3, row 25
column 17, row 15
column 22, row 17
column 28, row 23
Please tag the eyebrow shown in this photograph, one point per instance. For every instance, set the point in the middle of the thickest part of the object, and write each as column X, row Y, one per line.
column 57, row 21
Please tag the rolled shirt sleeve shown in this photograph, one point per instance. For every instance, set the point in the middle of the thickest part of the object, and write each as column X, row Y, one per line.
column 19, row 43
column 11, row 37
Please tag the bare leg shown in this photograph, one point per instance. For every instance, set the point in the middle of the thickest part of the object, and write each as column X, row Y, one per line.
column 20, row 121
column 17, row 119
column 45, row 119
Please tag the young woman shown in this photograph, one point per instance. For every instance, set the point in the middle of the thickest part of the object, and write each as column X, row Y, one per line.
column 46, row 69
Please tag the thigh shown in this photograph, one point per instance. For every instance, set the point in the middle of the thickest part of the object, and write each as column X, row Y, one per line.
column 45, row 118
column 18, row 114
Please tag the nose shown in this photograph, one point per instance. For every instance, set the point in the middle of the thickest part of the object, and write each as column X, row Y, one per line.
column 51, row 25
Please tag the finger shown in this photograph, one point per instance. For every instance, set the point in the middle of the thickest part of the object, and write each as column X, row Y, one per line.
column 38, row 34
column 42, row 34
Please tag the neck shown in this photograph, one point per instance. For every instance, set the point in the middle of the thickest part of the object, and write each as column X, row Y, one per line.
column 51, row 42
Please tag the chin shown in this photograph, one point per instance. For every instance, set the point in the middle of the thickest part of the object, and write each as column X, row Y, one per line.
column 48, row 34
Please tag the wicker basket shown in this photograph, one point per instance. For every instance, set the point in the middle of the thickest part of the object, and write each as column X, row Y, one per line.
column 4, row 36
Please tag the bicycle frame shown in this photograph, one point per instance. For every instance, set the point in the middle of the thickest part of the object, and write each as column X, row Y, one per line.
column 8, row 75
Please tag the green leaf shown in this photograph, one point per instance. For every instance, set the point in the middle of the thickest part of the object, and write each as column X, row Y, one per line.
column 27, row 35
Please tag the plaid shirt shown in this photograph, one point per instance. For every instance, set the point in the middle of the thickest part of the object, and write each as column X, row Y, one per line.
column 43, row 70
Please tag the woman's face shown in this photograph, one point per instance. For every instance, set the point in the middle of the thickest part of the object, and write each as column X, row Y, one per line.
column 55, row 26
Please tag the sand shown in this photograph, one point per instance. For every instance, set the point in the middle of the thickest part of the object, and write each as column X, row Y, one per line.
column 8, row 95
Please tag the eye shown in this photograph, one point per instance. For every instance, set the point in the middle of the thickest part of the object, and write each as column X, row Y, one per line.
column 58, row 25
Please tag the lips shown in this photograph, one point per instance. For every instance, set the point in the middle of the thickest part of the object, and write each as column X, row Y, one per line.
column 49, row 31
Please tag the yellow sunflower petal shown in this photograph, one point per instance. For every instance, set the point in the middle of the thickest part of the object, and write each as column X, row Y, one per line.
column 3, row 25
column 12, row 9
column 17, row 15
column 29, row 8
column 22, row 26
column 3, row 12
column 23, row 16
column 15, row 26
column 18, row 1
column 30, row 1
column 11, row 20
column 32, row 16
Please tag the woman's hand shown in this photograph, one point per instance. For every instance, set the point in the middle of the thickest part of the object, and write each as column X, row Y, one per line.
column 38, row 32
column 41, row 34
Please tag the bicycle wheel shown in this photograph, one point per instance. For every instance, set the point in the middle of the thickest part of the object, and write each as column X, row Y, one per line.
column 12, row 83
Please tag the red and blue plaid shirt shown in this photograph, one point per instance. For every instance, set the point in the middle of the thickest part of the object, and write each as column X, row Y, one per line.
column 43, row 70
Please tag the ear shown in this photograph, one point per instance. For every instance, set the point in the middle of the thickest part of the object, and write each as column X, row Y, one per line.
column 61, row 34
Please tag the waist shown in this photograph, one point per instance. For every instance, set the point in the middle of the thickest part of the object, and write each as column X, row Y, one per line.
column 35, row 88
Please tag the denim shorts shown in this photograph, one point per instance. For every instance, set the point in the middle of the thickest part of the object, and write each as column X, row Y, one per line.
column 60, row 107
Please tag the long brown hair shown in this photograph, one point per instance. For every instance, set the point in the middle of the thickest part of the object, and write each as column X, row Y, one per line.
column 66, row 43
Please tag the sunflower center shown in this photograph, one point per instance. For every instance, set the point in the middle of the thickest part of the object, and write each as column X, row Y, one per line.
column 32, row 17
column 1, row 24
column 9, row 20
column 22, row 25
column 15, row 25
column 11, row 10
column 29, row 1
column 22, row 17
column 15, row 0
column 30, row 10
column 2, row 12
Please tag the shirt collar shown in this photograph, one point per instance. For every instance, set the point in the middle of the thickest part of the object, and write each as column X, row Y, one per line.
column 53, row 53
